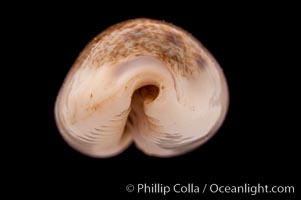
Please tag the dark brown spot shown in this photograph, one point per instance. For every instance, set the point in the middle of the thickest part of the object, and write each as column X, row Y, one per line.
column 91, row 96
column 96, row 40
column 174, row 39
column 200, row 61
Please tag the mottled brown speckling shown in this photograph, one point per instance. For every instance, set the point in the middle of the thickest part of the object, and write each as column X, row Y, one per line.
column 171, row 44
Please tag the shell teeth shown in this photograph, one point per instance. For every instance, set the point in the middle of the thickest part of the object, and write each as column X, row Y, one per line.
column 142, row 81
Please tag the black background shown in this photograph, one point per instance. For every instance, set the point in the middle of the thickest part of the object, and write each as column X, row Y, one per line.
column 256, row 144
